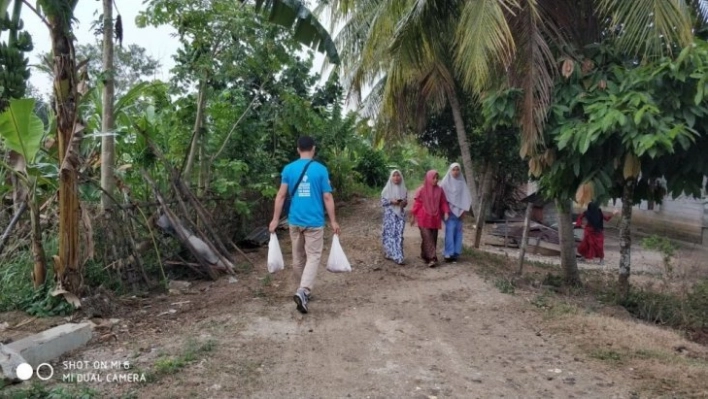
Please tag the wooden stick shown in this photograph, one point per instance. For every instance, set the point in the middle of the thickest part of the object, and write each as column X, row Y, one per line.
column 525, row 236
column 180, row 233
column 219, row 253
column 176, row 177
column 13, row 222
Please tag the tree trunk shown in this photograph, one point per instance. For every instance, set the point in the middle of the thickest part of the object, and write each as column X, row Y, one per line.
column 569, row 262
column 197, row 132
column 107, row 117
column 625, row 237
column 463, row 143
column 39, row 275
column 525, row 236
column 203, row 169
column 481, row 213
column 66, row 263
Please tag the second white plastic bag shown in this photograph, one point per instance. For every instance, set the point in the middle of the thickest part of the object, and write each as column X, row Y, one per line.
column 337, row 262
column 275, row 255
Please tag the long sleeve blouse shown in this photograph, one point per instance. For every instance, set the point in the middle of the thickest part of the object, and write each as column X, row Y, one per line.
column 426, row 220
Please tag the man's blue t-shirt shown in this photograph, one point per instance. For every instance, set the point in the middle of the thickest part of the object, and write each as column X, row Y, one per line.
column 307, row 204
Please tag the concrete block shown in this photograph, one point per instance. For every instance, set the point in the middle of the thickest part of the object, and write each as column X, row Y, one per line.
column 50, row 344
column 9, row 360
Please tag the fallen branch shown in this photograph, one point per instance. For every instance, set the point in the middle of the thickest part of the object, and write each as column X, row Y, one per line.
column 220, row 252
column 174, row 221
column 13, row 222
column 182, row 188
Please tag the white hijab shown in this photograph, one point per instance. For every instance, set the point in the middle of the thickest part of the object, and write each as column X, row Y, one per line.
column 394, row 192
column 456, row 191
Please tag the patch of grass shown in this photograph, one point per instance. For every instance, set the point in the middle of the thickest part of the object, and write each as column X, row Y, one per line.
column 686, row 310
column 468, row 251
column 243, row 267
column 40, row 390
column 650, row 354
column 130, row 395
column 42, row 304
column 504, row 285
column 553, row 280
column 267, row 280
column 562, row 308
column 192, row 350
column 15, row 276
column 607, row 355
column 541, row 265
column 541, row 301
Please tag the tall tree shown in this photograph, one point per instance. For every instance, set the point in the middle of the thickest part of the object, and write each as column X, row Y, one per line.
column 619, row 125
column 131, row 64
column 409, row 72
column 502, row 42
column 107, row 118
column 205, row 33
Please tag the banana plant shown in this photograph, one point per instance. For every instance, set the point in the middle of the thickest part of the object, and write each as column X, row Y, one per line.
column 22, row 132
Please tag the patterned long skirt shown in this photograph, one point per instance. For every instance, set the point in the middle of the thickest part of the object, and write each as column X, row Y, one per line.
column 392, row 236
column 428, row 245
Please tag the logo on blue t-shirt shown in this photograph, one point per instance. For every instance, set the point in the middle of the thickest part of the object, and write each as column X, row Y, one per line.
column 307, row 204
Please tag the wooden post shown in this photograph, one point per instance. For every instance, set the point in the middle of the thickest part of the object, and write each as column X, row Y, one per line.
column 525, row 236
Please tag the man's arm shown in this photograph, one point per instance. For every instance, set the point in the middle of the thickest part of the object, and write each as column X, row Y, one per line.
column 278, row 208
column 329, row 205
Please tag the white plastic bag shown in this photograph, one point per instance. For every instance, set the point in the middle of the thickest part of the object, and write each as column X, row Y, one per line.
column 337, row 262
column 275, row 256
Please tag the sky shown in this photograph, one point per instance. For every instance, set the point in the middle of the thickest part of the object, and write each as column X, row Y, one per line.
column 159, row 42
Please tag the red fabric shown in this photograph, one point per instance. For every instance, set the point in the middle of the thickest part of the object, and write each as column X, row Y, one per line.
column 430, row 196
column 430, row 193
column 593, row 244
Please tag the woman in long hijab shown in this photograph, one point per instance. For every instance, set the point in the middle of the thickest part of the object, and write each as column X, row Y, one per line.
column 593, row 244
column 429, row 210
column 394, row 199
column 459, row 200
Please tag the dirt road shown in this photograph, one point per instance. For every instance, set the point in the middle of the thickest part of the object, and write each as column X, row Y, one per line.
column 382, row 331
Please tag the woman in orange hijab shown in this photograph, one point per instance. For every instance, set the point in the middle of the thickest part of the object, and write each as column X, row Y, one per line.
column 429, row 210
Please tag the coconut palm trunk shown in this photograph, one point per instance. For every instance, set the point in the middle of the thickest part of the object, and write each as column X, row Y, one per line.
column 463, row 143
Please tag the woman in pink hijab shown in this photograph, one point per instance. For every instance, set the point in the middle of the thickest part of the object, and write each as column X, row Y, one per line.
column 429, row 210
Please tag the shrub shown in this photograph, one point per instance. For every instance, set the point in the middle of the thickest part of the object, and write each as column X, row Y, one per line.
column 372, row 167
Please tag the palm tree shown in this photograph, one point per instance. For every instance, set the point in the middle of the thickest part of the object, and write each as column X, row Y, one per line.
column 498, row 43
column 377, row 57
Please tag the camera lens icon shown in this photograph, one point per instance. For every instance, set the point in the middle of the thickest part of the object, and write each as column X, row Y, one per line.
column 44, row 371
column 24, row 371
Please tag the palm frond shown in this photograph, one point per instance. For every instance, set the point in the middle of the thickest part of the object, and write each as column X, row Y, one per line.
column 649, row 27
column 702, row 7
column 484, row 40
column 536, row 66
column 370, row 106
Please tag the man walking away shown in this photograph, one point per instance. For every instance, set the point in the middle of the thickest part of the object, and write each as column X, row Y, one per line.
column 307, row 182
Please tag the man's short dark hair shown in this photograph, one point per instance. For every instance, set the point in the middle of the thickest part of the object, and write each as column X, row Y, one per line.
column 305, row 143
